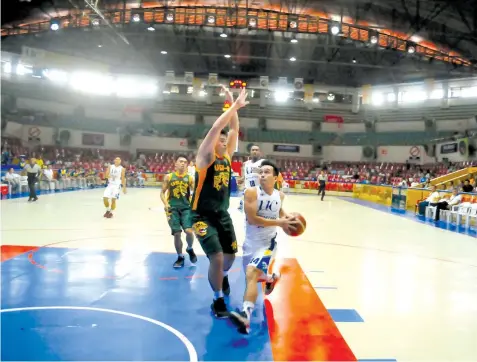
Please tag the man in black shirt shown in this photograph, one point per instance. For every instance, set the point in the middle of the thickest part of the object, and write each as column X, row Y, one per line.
column 33, row 170
column 467, row 186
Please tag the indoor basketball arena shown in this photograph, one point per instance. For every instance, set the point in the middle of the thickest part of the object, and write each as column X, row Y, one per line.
column 257, row 180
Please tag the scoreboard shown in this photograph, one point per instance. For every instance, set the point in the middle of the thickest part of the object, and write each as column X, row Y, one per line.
column 237, row 84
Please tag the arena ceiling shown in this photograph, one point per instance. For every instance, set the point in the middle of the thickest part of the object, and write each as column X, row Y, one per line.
column 446, row 30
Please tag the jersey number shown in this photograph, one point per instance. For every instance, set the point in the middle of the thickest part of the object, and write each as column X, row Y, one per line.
column 252, row 183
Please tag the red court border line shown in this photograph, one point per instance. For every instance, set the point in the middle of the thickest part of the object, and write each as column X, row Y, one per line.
column 301, row 328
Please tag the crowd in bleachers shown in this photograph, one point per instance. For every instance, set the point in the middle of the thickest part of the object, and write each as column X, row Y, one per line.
column 84, row 167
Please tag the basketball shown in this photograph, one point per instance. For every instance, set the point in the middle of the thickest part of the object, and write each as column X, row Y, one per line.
column 300, row 227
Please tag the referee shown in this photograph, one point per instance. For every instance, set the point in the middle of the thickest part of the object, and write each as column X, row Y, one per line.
column 322, row 184
column 33, row 171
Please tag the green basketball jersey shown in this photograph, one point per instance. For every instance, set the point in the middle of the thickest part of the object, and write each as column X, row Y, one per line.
column 179, row 190
column 212, row 187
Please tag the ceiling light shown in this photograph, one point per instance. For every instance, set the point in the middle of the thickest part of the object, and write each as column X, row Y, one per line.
column 252, row 22
column 374, row 39
column 223, row 35
column 151, row 28
column 354, row 60
column 100, row 46
column 293, row 24
column 95, row 22
column 54, row 26
column 163, row 52
column 411, row 50
column 335, row 29
column 227, row 56
column 170, row 17
column 294, row 41
column 292, row 59
column 136, row 18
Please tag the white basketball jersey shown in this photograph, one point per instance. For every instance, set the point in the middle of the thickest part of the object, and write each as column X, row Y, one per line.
column 251, row 170
column 268, row 207
column 115, row 175
column 191, row 171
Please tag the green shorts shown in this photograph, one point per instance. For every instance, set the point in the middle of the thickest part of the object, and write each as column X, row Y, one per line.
column 215, row 232
column 179, row 219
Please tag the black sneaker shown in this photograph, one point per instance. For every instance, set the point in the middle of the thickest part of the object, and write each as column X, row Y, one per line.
column 219, row 308
column 179, row 262
column 270, row 285
column 240, row 320
column 226, row 286
column 192, row 256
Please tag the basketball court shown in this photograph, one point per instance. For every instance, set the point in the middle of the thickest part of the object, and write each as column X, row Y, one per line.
column 359, row 284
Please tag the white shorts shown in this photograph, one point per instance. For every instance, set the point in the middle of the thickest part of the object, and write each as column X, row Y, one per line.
column 259, row 258
column 112, row 191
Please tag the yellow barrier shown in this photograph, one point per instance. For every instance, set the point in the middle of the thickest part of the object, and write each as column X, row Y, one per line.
column 383, row 194
column 378, row 194
column 415, row 195
column 457, row 175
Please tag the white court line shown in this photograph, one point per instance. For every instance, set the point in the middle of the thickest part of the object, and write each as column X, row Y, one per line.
column 190, row 348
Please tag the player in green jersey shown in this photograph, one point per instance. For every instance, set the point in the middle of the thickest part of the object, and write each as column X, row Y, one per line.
column 175, row 195
column 211, row 221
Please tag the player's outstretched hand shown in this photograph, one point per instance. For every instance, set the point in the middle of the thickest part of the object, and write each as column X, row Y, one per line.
column 241, row 100
column 228, row 94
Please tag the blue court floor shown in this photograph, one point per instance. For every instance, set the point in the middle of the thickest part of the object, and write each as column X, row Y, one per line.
column 76, row 304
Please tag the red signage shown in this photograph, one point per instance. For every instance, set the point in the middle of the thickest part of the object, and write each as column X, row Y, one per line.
column 331, row 118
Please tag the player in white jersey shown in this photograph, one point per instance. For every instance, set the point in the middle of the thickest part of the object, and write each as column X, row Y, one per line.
column 250, row 170
column 264, row 211
column 191, row 173
column 116, row 177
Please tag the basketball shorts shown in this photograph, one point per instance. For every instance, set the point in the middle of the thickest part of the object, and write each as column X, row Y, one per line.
column 112, row 191
column 215, row 232
column 259, row 258
column 179, row 219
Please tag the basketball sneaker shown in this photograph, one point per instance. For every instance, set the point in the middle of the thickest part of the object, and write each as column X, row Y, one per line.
column 192, row 256
column 179, row 263
column 240, row 320
column 219, row 308
column 270, row 285
column 226, row 286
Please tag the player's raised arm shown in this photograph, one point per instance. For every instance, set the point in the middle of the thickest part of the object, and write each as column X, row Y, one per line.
column 206, row 150
column 234, row 126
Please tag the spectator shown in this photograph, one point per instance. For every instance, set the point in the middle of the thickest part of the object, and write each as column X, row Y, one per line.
column 432, row 200
column 12, row 179
column 48, row 178
column 444, row 204
column 140, row 177
column 467, row 186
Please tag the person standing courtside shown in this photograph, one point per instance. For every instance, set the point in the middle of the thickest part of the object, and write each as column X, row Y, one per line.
column 33, row 171
column 322, row 178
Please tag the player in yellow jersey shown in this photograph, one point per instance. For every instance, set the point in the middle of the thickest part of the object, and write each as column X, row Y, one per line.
column 175, row 195
column 213, row 226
